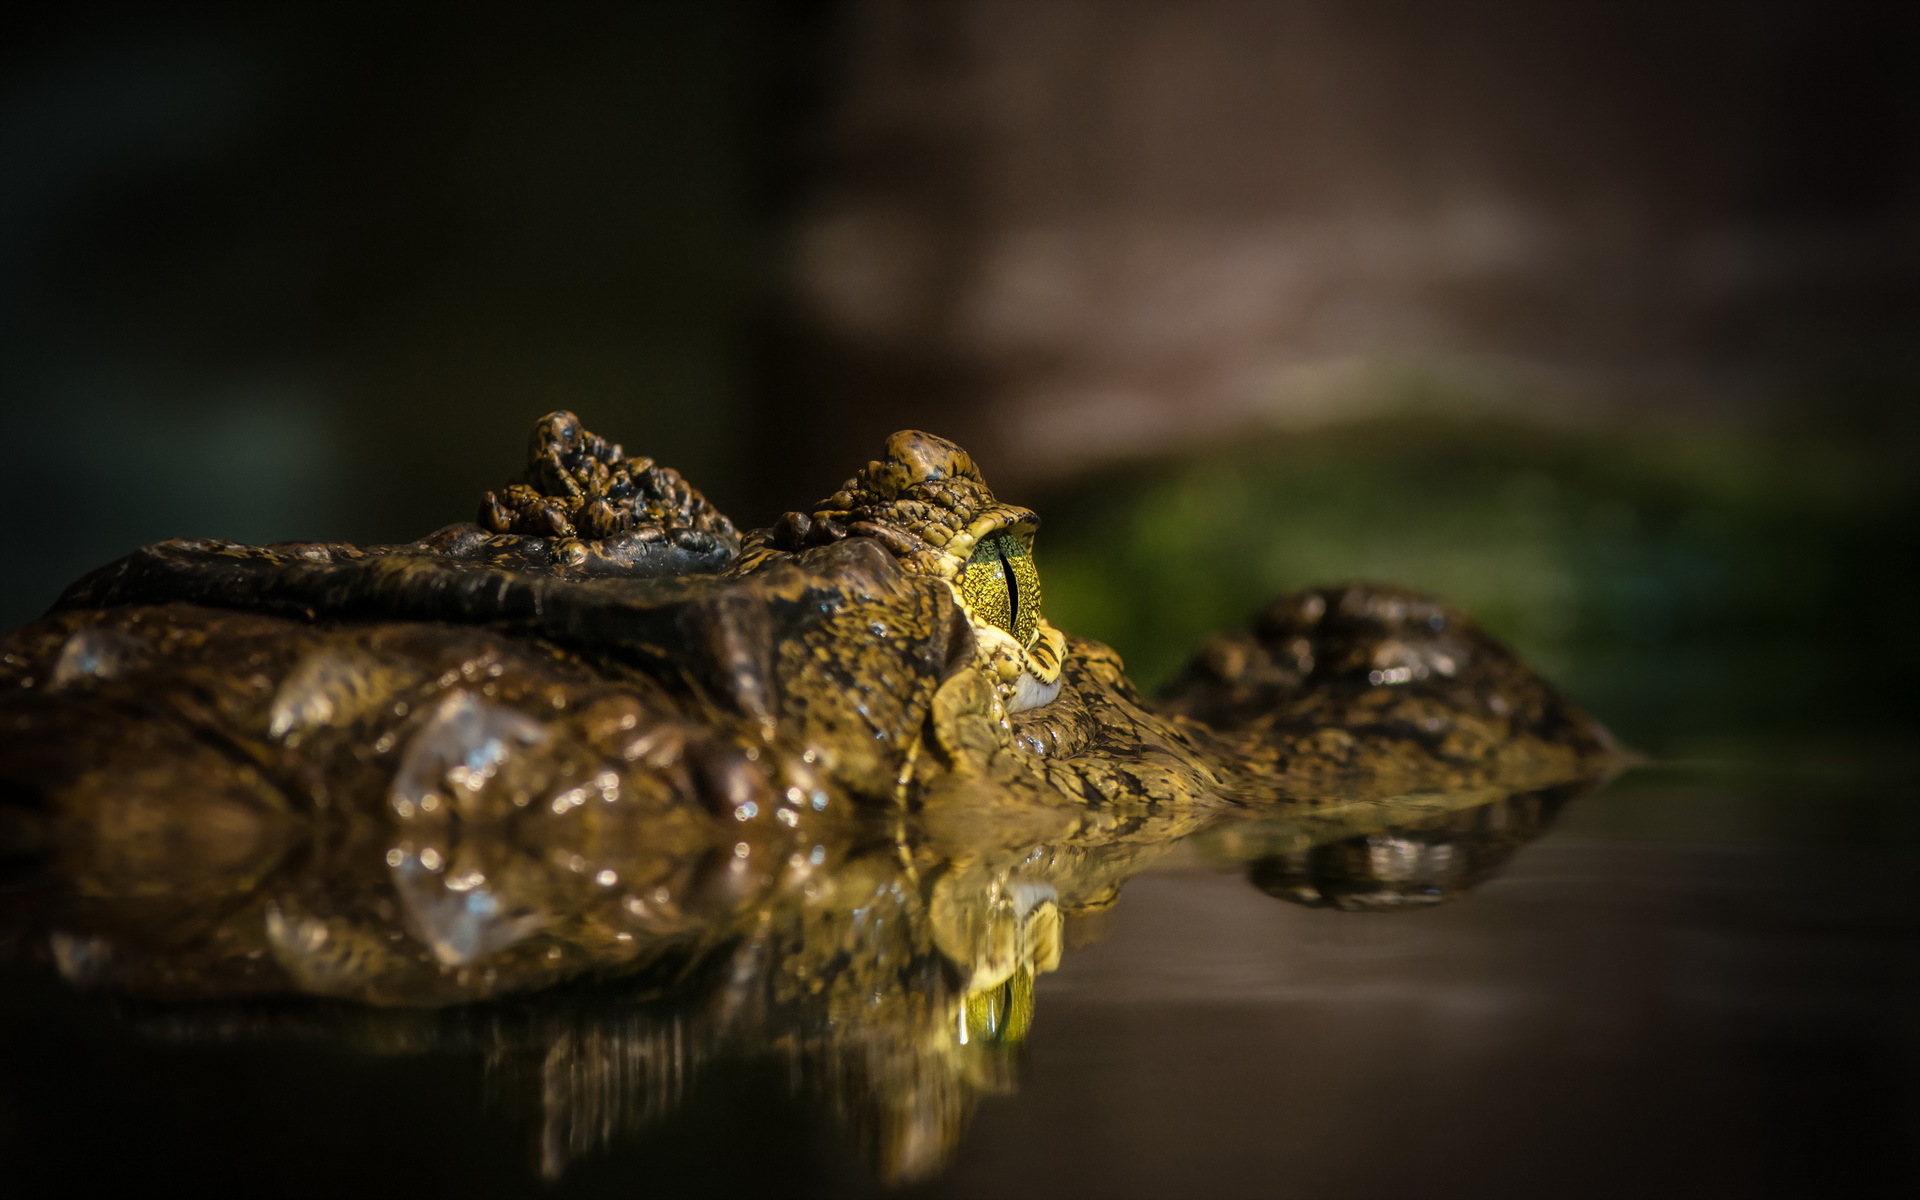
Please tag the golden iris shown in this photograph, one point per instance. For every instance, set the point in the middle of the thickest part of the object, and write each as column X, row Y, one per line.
column 1001, row 1015
column 1002, row 586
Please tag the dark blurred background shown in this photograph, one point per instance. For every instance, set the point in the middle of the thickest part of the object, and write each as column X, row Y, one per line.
column 1597, row 317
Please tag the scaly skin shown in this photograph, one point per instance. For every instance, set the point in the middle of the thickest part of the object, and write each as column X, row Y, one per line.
column 599, row 734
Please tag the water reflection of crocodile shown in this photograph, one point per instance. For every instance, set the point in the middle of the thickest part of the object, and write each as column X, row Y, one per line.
column 599, row 735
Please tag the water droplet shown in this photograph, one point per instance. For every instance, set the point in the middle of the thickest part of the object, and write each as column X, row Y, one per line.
column 83, row 959
column 464, row 743
column 460, row 919
column 91, row 654
column 327, row 687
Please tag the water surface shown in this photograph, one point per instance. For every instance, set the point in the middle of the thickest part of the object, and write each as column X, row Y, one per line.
column 1673, row 990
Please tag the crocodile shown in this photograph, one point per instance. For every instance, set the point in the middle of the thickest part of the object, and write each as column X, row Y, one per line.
column 598, row 736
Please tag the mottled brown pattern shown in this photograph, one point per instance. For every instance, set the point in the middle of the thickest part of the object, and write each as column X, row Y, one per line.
column 856, row 656
column 491, row 761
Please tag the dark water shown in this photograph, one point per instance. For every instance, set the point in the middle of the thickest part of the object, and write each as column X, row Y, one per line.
column 1700, row 981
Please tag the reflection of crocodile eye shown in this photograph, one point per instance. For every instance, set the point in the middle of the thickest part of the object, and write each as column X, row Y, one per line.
column 1002, row 586
column 1001, row 1015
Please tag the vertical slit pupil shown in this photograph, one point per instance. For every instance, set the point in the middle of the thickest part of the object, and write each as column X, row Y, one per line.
column 1013, row 588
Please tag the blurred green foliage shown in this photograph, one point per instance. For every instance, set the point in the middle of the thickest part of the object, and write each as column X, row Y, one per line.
column 1686, row 584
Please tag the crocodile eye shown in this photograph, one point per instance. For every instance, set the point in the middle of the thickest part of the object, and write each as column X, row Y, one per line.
column 1001, row 1015
column 1002, row 586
